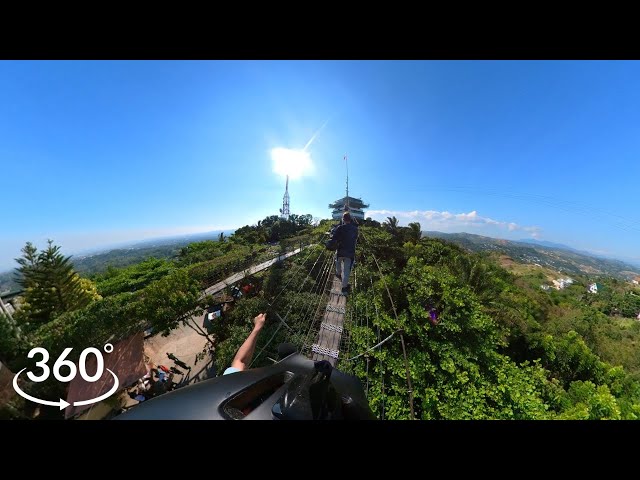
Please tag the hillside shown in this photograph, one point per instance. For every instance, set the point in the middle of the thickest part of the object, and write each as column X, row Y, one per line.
column 88, row 264
column 561, row 258
column 481, row 341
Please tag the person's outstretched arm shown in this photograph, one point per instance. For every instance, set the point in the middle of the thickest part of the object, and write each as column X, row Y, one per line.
column 245, row 353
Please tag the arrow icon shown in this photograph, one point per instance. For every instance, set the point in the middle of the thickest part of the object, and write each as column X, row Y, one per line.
column 62, row 404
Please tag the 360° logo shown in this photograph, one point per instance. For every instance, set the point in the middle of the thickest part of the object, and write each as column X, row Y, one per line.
column 62, row 362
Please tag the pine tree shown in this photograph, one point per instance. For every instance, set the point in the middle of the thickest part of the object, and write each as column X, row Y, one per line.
column 51, row 285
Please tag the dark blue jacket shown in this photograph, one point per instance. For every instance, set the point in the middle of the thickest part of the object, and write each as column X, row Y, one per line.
column 346, row 235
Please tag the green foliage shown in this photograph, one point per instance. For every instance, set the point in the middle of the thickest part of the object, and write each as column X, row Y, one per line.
column 132, row 278
column 272, row 229
column 238, row 258
column 11, row 340
column 231, row 331
column 562, row 260
column 590, row 402
column 502, row 349
column 108, row 320
column 617, row 303
column 391, row 225
column 414, row 232
column 123, row 257
column 569, row 358
column 455, row 369
column 163, row 304
column 201, row 251
column 170, row 300
column 51, row 285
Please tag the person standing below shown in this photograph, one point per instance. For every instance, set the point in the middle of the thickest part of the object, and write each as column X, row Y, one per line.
column 346, row 236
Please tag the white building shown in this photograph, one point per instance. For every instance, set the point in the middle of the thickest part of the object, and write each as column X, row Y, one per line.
column 355, row 206
column 562, row 283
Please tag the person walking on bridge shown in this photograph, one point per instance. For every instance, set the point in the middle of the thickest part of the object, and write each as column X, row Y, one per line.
column 346, row 236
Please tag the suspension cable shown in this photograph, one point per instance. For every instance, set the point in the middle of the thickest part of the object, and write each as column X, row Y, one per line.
column 317, row 290
column 286, row 315
column 375, row 346
column 293, row 276
column 314, row 316
column 273, row 300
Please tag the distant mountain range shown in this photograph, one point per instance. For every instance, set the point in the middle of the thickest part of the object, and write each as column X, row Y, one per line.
column 560, row 246
column 546, row 243
column 154, row 242
column 129, row 253
column 97, row 260
column 548, row 254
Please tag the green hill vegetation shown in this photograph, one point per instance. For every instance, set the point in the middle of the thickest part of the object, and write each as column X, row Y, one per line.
column 500, row 347
column 568, row 261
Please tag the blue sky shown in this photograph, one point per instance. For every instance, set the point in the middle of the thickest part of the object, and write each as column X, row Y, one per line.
column 98, row 152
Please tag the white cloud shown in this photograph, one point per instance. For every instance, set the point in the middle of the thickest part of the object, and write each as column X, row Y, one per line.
column 452, row 222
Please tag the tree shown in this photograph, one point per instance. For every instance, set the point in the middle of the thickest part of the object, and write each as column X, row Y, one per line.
column 391, row 225
column 10, row 339
column 199, row 252
column 52, row 287
column 171, row 301
column 221, row 237
column 456, row 370
column 134, row 277
column 369, row 222
column 415, row 232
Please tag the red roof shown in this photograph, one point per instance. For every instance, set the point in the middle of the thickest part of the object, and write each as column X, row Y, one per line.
column 126, row 361
column 6, row 384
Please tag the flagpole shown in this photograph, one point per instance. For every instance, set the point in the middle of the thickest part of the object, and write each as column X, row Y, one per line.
column 346, row 163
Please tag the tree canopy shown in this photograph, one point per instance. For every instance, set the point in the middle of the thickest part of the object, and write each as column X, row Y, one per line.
column 481, row 342
column 51, row 285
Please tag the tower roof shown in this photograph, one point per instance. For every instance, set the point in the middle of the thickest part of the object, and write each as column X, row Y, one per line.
column 353, row 203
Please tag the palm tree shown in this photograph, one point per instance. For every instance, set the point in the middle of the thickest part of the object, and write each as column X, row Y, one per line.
column 473, row 272
column 391, row 225
column 414, row 232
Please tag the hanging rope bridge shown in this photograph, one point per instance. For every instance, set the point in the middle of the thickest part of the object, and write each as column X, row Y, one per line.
column 322, row 327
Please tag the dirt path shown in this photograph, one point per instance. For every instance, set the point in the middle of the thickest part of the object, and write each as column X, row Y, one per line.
column 185, row 344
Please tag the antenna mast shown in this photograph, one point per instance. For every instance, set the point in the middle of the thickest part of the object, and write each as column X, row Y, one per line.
column 285, row 201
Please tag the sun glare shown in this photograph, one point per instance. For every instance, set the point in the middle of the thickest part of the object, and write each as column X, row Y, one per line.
column 295, row 163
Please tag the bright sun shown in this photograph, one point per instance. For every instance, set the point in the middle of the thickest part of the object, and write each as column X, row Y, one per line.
column 295, row 163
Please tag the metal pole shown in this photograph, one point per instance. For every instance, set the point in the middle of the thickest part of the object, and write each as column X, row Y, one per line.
column 346, row 163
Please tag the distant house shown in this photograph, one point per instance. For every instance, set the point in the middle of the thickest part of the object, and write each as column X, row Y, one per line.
column 638, row 316
column 594, row 287
column 126, row 360
column 562, row 283
column 636, row 281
